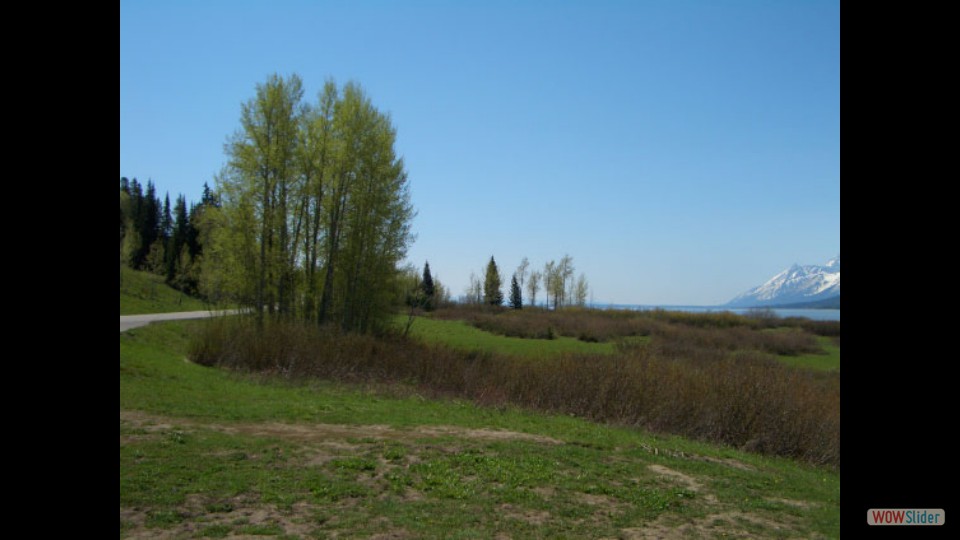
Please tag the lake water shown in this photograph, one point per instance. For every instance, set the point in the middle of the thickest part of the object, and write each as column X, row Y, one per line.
column 814, row 314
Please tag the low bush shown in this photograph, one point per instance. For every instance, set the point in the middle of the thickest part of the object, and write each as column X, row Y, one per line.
column 699, row 386
column 586, row 325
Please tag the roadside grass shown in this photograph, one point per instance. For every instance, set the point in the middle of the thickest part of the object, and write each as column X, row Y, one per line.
column 209, row 453
column 461, row 335
column 828, row 360
column 143, row 292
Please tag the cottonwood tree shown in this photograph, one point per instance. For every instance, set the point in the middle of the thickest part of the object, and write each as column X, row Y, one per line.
column 315, row 212
column 556, row 276
column 474, row 290
column 257, row 184
column 522, row 270
column 533, row 284
column 581, row 290
column 564, row 273
column 549, row 276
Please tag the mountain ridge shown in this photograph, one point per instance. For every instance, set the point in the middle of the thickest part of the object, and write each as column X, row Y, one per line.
column 798, row 284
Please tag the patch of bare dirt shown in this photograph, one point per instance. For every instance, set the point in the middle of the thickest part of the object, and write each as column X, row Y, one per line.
column 235, row 513
column 720, row 525
column 545, row 491
column 398, row 534
column 597, row 500
column 690, row 482
column 485, row 434
column 333, row 433
column 792, row 502
column 533, row 517
column 729, row 462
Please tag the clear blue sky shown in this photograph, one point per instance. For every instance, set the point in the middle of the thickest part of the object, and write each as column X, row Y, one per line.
column 680, row 151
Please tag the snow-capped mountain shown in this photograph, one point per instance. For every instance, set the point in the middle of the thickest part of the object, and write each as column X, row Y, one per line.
column 794, row 285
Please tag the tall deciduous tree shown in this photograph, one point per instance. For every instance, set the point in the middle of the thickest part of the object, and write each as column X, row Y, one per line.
column 556, row 277
column 549, row 277
column 564, row 274
column 314, row 213
column 492, row 293
column 533, row 285
column 581, row 290
column 522, row 271
column 474, row 290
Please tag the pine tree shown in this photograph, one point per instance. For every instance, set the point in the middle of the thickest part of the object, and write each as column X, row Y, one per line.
column 516, row 298
column 426, row 285
column 209, row 198
column 166, row 219
column 178, row 238
column 492, row 294
column 147, row 221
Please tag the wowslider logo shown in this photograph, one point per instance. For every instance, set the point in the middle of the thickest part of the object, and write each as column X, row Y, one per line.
column 904, row 516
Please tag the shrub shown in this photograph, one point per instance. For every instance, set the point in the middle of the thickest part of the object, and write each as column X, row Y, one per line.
column 691, row 381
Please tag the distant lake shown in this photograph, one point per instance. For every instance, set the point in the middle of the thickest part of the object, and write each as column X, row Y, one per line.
column 813, row 314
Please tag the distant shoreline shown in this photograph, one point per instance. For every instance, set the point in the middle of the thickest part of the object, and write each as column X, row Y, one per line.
column 821, row 314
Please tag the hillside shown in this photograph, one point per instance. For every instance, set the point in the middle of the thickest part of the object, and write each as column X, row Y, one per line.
column 207, row 453
column 143, row 292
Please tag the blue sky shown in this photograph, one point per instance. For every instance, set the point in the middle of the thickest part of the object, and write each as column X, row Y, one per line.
column 680, row 151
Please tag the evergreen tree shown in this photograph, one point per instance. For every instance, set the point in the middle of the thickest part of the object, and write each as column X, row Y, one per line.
column 192, row 236
column 426, row 285
column 492, row 295
column 178, row 238
column 148, row 222
column 166, row 219
column 516, row 298
column 166, row 238
column 133, row 240
column 209, row 198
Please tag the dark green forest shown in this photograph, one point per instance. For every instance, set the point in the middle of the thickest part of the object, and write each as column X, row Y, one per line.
column 159, row 238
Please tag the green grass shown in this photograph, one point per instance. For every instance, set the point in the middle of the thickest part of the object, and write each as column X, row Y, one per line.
column 462, row 335
column 207, row 453
column 143, row 292
column 829, row 360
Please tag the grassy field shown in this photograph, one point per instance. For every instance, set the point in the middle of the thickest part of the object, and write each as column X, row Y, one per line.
column 207, row 453
column 143, row 292
column 461, row 335
column 828, row 361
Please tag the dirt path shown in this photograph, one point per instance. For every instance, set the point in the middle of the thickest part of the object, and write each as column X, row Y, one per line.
column 325, row 433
